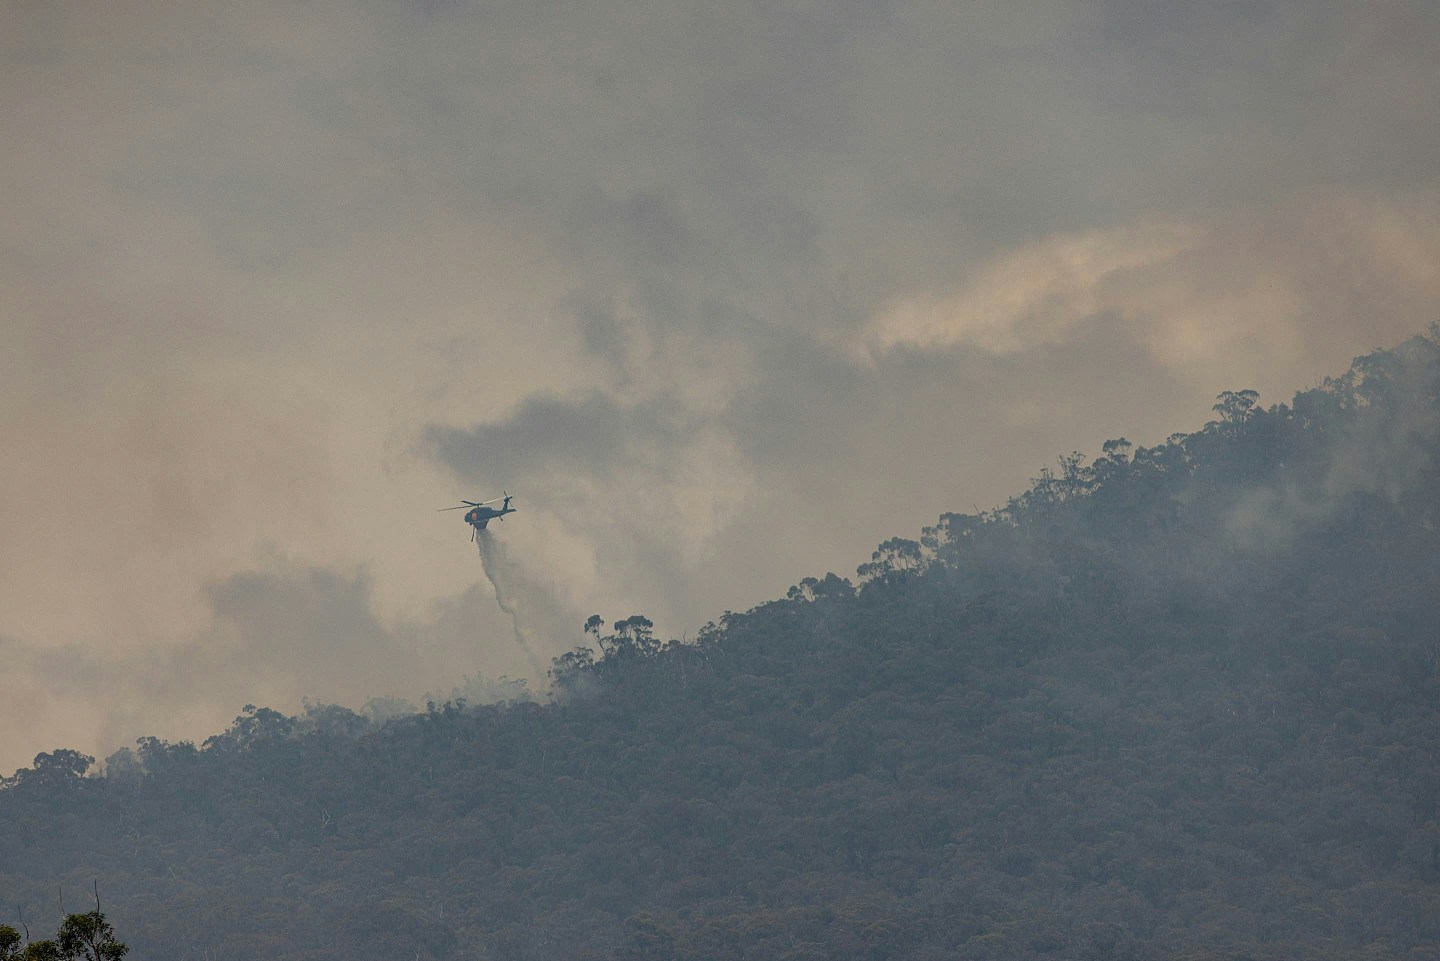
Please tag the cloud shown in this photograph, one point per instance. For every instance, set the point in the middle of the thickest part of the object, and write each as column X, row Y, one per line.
column 1028, row 297
column 1262, row 280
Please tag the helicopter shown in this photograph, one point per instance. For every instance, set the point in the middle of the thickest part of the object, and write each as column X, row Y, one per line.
column 480, row 514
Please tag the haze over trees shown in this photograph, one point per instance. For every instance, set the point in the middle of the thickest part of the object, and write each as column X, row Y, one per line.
column 1176, row 701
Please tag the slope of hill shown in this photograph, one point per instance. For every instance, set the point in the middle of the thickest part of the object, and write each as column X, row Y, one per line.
column 1178, row 702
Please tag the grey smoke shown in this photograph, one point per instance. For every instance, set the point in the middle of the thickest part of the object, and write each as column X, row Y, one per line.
column 1384, row 451
column 277, row 636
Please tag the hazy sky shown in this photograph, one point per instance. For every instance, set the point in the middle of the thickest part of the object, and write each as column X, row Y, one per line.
column 726, row 293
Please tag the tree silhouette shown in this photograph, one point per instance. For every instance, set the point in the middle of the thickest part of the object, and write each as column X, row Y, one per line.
column 82, row 937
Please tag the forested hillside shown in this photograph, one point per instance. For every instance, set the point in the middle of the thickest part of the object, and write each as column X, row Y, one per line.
column 1175, row 702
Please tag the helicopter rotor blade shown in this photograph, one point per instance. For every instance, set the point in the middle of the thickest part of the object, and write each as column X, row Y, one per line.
column 460, row 508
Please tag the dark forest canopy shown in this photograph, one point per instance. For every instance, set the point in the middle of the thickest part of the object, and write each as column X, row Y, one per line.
column 1176, row 701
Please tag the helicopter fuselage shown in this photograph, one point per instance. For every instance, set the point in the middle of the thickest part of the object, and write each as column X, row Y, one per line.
column 478, row 517
column 478, row 514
